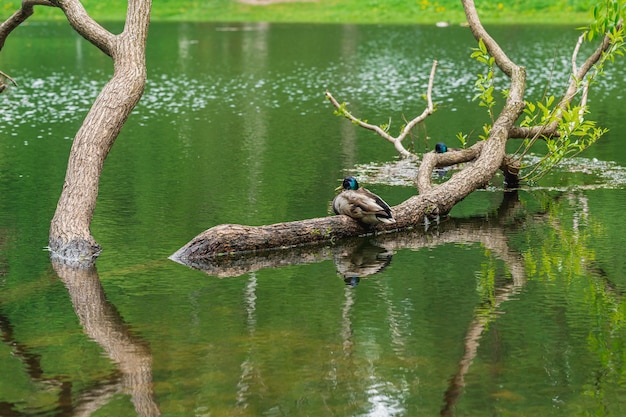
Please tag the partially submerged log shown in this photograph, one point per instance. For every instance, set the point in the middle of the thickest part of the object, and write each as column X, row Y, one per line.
column 371, row 254
column 419, row 210
column 228, row 239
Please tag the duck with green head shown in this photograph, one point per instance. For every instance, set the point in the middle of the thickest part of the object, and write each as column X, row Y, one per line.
column 361, row 204
column 441, row 147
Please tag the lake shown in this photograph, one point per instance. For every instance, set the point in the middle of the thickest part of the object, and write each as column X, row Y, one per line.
column 513, row 306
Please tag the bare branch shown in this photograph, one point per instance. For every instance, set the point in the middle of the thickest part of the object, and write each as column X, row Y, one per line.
column 580, row 73
column 432, row 160
column 19, row 17
column 396, row 141
column 76, row 15
column 585, row 84
column 428, row 110
column 510, row 166
column 8, row 78
column 368, row 126
column 86, row 27
column 579, row 43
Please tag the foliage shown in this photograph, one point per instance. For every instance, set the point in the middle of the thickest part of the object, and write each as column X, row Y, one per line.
column 462, row 137
column 485, row 87
column 607, row 15
column 485, row 82
column 574, row 133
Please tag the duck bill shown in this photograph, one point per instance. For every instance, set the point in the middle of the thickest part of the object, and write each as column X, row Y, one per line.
column 339, row 188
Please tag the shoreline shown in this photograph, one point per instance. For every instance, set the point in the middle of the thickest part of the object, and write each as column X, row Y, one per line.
column 318, row 11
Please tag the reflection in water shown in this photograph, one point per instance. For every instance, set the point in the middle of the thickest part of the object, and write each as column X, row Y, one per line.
column 360, row 258
column 363, row 257
column 32, row 362
column 249, row 369
column 102, row 322
column 254, row 55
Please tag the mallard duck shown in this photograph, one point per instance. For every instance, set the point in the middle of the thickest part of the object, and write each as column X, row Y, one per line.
column 443, row 148
column 361, row 204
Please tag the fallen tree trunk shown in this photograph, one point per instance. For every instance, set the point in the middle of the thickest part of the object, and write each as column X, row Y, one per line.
column 432, row 203
column 419, row 210
column 491, row 234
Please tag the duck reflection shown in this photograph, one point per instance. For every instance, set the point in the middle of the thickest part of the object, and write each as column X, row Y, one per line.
column 359, row 259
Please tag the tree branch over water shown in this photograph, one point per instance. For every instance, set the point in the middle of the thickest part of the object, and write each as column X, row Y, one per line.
column 396, row 141
column 487, row 157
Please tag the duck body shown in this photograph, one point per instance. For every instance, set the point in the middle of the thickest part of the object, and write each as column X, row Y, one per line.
column 361, row 204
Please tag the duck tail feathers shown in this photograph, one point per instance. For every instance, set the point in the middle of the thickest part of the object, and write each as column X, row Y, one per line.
column 387, row 220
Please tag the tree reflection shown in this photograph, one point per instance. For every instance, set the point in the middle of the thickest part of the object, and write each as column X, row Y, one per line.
column 32, row 362
column 359, row 258
column 102, row 322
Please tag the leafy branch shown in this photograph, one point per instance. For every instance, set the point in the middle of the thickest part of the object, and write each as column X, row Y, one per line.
column 573, row 133
column 484, row 84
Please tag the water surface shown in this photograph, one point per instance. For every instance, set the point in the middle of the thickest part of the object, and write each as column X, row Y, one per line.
column 514, row 306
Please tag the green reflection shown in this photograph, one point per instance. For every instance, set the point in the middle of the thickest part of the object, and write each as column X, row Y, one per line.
column 512, row 307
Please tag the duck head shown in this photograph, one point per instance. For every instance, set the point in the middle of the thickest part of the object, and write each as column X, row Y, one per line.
column 441, row 148
column 349, row 183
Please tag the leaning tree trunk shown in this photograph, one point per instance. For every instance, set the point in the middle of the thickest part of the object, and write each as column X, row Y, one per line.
column 70, row 235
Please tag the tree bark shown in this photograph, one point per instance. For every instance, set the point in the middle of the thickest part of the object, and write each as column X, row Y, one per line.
column 70, row 235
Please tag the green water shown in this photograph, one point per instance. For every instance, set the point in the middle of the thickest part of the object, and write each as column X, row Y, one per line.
column 513, row 307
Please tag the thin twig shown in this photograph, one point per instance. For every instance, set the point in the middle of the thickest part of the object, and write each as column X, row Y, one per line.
column 428, row 110
column 8, row 78
column 396, row 141
column 581, row 39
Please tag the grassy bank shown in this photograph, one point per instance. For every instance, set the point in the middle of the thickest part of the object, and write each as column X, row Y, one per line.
column 342, row 11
